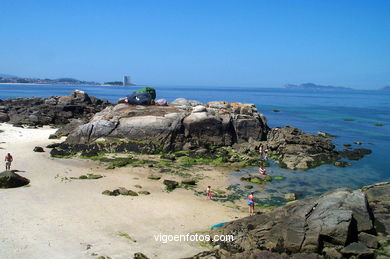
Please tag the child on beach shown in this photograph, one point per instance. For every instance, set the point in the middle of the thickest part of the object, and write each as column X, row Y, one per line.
column 262, row 171
column 251, row 204
column 208, row 192
column 8, row 160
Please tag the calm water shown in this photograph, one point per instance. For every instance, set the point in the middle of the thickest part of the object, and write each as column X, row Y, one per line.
column 309, row 110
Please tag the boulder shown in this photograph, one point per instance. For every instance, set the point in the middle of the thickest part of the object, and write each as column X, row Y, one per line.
column 290, row 197
column 38, row 149
column 189, row 181
column 357, row 249
column 313, row 226
column 368, row 240
column 355, row 154
column 56, row 110
column 9, row 179
column 199, row 108
column 168, row 128
column 170, row 184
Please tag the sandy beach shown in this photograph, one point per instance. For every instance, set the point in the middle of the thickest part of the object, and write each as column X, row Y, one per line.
column 56, row 217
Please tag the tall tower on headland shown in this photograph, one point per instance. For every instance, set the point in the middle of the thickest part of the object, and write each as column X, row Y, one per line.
column 127, row 80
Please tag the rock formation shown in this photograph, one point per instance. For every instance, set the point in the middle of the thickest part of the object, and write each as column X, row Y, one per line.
column 190, row 125
column 9, row 179
column 169, row 128
column 339, row 224
column 57, row 110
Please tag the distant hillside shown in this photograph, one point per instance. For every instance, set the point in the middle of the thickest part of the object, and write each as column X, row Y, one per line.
column 10, row 79
column 386, row 88
column 7, row 76
column 314, row 86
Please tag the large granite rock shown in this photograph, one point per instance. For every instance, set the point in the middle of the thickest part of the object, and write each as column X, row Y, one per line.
column 173, row 127
column 53, row 110
column 336, row 224
column 9, row 179
column 189, row 125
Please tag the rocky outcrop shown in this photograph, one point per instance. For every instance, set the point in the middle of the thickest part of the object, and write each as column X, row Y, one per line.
column 181, row 125
column 294, row 149
column 339, row 224
column 56, row 110
column 9, row 179
column 190, row 125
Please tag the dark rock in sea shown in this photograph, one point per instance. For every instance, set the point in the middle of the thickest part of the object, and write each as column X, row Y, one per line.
column 276, row 110
column 170, row 184
column 347, row 145
column 57, row 110
column 38, row 149
column 341, row 164
column 9, row 179
column 325, row 134
column 258, row 178
column 355, row 154
column 290, row 196
column 334, row 225
column 294, row 149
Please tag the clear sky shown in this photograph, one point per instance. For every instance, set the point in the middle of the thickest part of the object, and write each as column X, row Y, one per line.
column 199, row 42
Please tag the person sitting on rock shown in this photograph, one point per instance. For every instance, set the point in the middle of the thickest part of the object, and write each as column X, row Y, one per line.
column 208, row 192
column 251, row 204
column 8, row 160
column 262, row 170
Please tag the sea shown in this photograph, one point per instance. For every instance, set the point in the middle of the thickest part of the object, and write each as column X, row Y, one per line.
column 351, row 115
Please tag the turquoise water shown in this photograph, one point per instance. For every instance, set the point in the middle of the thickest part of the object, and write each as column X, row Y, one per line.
column 309, row 110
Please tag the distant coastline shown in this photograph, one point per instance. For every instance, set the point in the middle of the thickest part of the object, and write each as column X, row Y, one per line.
column 312, row 86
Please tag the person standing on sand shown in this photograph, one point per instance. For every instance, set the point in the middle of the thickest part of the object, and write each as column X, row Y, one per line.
column 251, row 204
column 8, row 160
column 208, row 192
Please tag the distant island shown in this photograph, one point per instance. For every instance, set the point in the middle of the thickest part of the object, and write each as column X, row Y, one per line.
column 10, row 79
column 315, row 87
column 386, row 88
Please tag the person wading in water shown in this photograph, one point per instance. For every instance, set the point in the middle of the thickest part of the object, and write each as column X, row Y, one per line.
column 251, row 204
column 8, row 160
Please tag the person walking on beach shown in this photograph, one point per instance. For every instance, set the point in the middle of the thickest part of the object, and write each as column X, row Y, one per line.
column 262, row 171
column 208, row 192
column 251, row 204
column 8, row 160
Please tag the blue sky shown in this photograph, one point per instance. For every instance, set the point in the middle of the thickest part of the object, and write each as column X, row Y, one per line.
column 199, row 42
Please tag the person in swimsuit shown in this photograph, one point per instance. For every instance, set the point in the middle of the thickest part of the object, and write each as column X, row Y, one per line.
column 251, row 204
column 8, row 160
column 208, row 192
column 262, row 171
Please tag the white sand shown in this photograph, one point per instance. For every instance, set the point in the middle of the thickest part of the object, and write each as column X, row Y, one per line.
column 55, row 218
